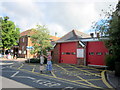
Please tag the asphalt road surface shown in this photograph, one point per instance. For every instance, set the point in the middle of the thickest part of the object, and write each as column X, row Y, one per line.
column 63, row 76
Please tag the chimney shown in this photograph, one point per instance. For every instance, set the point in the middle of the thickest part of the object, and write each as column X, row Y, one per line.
column 98, row 35
column 92, row 35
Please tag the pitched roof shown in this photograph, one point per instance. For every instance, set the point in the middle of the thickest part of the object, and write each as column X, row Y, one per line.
column 27, row 32
column 81, row 34
column 54, row 38
column 73, row 35
column 31, row 32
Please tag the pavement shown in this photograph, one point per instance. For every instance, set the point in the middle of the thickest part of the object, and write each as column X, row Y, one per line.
column 18, row 59
column 113, row 80
column 8, row 83
column 67, row 75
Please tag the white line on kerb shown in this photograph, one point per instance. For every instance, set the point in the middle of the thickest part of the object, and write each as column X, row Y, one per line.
column 3, row 68
column 15, row 74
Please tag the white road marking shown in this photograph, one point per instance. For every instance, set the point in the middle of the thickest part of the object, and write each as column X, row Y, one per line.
column 15, row 74
column 11, row 66
column 25, row 77
column 3, row 68
column 47, row 83
column 8, row 71
column 31, row 78
column 68, row 87
column 40, row 81
column 1, row 63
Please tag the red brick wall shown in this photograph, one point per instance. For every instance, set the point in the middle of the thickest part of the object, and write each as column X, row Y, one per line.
column 22, row 46
column 56, row 53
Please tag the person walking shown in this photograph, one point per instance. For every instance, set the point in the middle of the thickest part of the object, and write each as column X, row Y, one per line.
column 41, row 63
column 9, row 56
column 49, row 63
column 41, row 59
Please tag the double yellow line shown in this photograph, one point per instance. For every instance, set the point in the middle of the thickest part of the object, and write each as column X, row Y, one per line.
column 68, row 81
column 104, row 79
column 33, row 68
column 54, row 76
column 21, row 66
column 85, row 71
column 71, row 82
column 90, row 84
column 51, row 71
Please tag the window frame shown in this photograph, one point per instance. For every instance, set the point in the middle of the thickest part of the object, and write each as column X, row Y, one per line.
column 99, row 53
column 91, row 53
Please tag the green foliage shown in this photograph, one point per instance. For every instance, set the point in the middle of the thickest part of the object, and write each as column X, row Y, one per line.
column 33, row 60
column 111, row 28
column 1, row 32
column 114, row 34
column 40, row 39
column 9, row 33
column 110, row 62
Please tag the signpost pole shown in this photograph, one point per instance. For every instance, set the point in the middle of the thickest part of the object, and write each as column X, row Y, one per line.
column 29, row 48
column 29, row 55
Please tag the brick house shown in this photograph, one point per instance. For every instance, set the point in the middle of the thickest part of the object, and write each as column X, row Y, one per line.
column 25, row 41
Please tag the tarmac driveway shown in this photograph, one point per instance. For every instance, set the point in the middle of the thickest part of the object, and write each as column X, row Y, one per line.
column 81, row 75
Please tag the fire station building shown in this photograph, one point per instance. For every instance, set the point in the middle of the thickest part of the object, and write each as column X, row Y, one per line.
column 79, row 48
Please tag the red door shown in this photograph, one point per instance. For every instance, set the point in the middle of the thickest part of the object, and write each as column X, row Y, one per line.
column 96, row 52
column 68, row 53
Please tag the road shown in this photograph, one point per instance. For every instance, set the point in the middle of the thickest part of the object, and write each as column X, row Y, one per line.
column 62, row 76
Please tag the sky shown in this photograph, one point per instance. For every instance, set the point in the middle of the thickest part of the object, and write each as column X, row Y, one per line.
column 59, row 16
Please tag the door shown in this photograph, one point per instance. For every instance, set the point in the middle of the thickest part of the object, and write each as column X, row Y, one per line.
column 96, row 52
column 68, row 53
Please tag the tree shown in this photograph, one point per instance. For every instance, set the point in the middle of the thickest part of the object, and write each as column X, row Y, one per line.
column 9, row 33
column 114, row 34
column 102, row 26
column 111, row 28
column 40, row 39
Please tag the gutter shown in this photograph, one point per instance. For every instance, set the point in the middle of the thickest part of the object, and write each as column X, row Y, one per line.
column 104, row 79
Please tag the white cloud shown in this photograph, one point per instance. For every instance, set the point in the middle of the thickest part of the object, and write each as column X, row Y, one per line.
column 53, row 27
column 72, row 15
column 59, row 0
column 60, row 16
column 24, row 14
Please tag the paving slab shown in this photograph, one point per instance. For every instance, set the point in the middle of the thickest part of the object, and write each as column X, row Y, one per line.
column 8, row 83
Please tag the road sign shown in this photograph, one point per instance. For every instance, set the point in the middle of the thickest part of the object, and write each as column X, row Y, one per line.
column 29, row 47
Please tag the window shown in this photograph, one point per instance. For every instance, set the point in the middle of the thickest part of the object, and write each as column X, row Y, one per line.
column 22, row 47
column 91, row 53
column 73, row 53
column 24, row 52
column 63, row 53
column 99, row 53
column 23, row 39
column 68, row 53
column 20, row 51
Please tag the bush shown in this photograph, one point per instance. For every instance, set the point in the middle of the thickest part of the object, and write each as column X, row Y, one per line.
column 33, row 60
column 117, row 69
column 110, row 62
